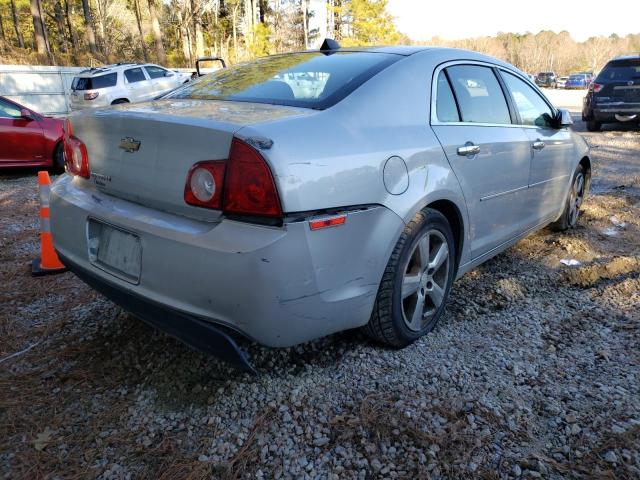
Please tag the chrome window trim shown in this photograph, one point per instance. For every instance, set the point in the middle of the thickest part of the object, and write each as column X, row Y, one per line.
column 434, row 95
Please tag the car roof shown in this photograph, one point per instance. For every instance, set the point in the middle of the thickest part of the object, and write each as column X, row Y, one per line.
column 96, row 71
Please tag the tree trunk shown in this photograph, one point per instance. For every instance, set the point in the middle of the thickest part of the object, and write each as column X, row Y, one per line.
column 72, row 33
column 157, row 34
column 44, row 28
column 2, row 36
column 234, row 20
column 88, row 23
column 305, row 22
column 136, row 9
column 16, row 24
column 38, row 30
column 59, row 16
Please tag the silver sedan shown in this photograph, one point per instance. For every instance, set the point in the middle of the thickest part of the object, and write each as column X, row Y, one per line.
column 303, row 194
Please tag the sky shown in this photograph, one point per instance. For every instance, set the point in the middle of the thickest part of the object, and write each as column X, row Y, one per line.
column 456, row 19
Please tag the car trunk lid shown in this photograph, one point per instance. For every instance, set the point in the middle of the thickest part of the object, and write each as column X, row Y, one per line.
column 143, row 152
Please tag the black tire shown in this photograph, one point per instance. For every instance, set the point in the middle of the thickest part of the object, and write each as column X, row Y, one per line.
column 58, row 158
column 593, row 125
column 577, row 193
column 387, row 323
column 119, row 101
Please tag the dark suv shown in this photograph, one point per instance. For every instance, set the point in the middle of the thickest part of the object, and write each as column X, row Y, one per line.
column 614, row 96
column 547, row 79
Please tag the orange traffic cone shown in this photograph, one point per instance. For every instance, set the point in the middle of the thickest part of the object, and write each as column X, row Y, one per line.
column 48, row 262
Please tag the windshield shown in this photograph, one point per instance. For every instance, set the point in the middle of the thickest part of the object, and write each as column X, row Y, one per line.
column 92, row 83
column 311, row 80
column 577, row 77
column 621, row 70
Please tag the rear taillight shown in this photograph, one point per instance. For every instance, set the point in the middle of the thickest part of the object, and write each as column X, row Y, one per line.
column 204, row 184
column 595, row 87
column 249, row 188
column 241, row 185
column 91, row 95
column 75, row 153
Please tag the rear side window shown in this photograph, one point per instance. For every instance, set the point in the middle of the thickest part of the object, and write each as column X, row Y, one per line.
column 479, row 95
column 311, row 80
column 93, row 83
column 156, row 72
column 9, row 110
column 134, row 75
column 620, row 70
column 446, row 109
column 531, row 107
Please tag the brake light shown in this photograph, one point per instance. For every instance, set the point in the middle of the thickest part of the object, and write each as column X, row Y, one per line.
column 76, row 157
column 249, row 188
column 595, row 87
column 204, row 184
column 91, row 95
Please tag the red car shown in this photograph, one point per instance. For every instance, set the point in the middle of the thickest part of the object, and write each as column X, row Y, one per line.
column 28, row 139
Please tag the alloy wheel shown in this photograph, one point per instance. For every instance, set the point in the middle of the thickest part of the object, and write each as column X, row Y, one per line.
column 577, row 195
column 425, row 280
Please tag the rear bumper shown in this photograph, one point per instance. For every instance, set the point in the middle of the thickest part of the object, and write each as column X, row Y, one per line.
column 278, row 286
column 194, row 331
column 613, row 112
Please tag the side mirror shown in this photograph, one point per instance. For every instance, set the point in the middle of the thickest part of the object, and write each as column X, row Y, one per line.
column 26, row 114
column 564, row 118
column 168, row 74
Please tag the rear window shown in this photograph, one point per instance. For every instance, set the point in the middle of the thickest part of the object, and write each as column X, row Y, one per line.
column 577, row 77
column 93, row 83
column 621, row 70
column 311, row 80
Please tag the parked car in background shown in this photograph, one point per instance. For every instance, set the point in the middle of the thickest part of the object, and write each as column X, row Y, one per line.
column 614, row 96
column 578, row 81
column 123, row 83
column 547, row 79
column 28, row 139
column 561, row 82
column 531, row 77
column 298, row 195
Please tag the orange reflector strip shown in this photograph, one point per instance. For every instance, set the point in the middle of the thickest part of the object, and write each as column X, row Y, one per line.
column 327, row 222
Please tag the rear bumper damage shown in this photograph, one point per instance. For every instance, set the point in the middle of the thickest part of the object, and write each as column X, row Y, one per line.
column 279, row 286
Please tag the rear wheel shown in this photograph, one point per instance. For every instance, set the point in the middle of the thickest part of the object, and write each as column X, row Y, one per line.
column 416, row 282
column 593, row 125
column 58, row 158
column 571, row 212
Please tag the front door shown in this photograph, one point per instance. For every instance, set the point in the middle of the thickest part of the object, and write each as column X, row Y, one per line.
column 552, row 154
column 21, row 139
column 489, row 155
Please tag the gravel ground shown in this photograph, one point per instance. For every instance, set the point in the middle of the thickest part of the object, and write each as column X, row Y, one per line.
column 532, row 372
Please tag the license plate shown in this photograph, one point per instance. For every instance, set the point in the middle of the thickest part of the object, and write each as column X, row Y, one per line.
column 115, row 250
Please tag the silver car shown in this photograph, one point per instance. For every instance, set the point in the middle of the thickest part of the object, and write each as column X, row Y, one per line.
column 303, row 194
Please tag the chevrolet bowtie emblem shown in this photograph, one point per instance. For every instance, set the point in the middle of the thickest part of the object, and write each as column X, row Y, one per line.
column 129, row 144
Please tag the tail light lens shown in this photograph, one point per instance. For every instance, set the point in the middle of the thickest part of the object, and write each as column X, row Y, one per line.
column 243, row 185
column 91, row 95
column 75, row 153
column 595, row 87
column 249, row 188
column 204, row 185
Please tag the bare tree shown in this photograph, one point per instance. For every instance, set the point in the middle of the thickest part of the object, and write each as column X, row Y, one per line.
column 73, row 38
column 88, row 23
column 38, row 27
column 16, row 24
column 136, row 10
column 157, row 34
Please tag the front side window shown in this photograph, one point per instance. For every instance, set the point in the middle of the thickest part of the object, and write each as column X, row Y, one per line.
column 156, row 72
column 311, row 80
column 479, row 95
column 532, row 108
column 134, row 75
column 446, row 109
column 9, row 110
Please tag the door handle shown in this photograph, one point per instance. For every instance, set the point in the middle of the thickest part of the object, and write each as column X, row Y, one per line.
column 469, row 150
column 538, row 145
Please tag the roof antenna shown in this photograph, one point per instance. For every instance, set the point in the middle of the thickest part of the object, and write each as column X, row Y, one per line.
column 329, row 44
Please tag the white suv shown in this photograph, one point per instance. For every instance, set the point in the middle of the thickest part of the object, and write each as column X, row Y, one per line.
column 122, row 83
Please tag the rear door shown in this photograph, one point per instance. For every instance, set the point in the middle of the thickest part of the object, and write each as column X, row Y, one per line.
column 551, row 151
column 21, row 139
column 490, row 156
column 138, row 85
